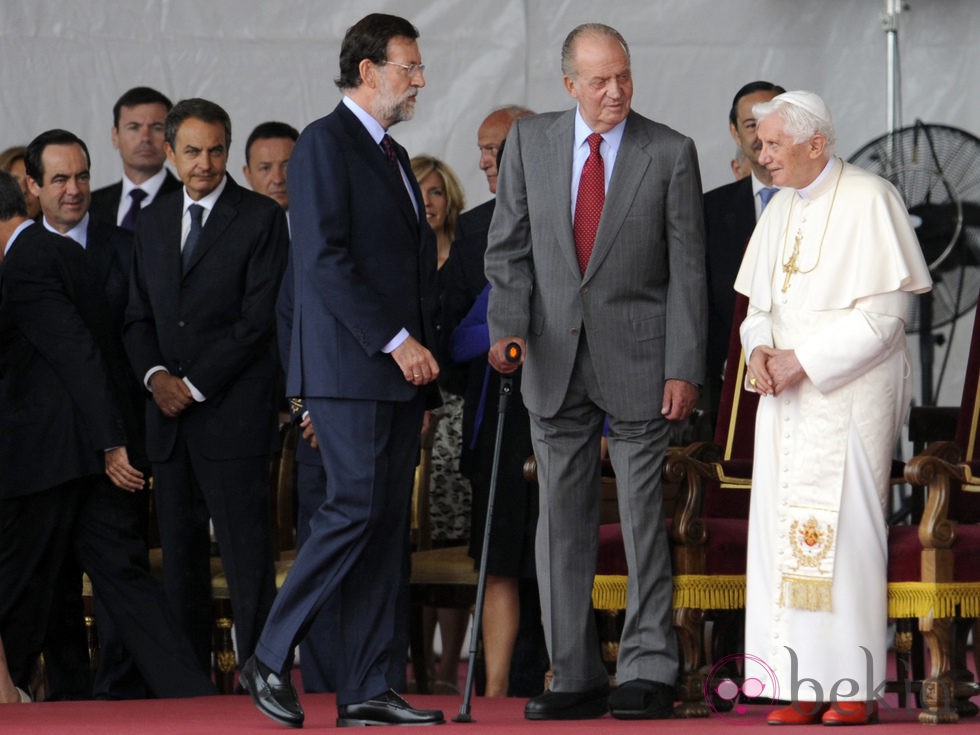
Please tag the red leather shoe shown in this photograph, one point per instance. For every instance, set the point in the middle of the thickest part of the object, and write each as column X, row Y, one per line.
column 798, row 713
column 851, row 713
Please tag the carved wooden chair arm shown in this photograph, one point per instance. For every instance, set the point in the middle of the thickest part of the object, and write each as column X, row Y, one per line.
column 934, row 468
column 690, row 468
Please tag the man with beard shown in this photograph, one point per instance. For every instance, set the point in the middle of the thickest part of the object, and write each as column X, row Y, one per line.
column 364, row 287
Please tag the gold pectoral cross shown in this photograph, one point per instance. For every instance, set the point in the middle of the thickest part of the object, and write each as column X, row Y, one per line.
column 790, row 267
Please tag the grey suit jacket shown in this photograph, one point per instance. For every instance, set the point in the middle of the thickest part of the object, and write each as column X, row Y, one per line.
column 642, row 299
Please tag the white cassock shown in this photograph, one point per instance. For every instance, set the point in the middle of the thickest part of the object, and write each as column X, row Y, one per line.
column 816, row 611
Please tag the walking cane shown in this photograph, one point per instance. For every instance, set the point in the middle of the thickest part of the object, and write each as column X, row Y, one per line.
column 513, row 354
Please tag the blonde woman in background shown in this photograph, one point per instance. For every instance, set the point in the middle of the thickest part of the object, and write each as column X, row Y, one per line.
column 450, row 494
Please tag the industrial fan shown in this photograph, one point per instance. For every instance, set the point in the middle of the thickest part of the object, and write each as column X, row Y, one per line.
column 936, row 169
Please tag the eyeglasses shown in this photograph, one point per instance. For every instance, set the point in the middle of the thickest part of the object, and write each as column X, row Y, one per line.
column 410, row 69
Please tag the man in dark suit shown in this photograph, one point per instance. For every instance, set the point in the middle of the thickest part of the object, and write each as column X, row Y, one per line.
column 110, row 251
column 364, row 284
column 62, row 373
column 730, row 214
column 200, row 334
column 596, row 262
column 464, row 278
column 137, row 133
column 267, row 153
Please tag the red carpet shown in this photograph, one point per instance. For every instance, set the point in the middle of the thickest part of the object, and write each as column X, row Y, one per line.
column 236, row 714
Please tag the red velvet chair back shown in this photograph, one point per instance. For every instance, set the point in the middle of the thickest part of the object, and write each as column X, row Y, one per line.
column 965, row 506
column 735, row 428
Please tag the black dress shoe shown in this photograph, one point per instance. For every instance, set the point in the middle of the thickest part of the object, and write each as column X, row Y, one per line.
column 386, row 709
column 568, row 705
column 272, row 693
column 642, row 699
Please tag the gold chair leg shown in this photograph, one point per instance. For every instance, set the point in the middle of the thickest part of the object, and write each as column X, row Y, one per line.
column 224, row 649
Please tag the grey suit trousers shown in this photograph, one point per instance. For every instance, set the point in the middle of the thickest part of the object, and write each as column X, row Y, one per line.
column 566, row 447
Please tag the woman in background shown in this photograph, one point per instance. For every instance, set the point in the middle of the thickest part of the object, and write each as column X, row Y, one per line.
column 12, row 162
column 449, row 496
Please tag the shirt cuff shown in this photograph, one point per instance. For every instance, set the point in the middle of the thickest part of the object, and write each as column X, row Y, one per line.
column 395, row 342
column 195, row 393
column 149, row 374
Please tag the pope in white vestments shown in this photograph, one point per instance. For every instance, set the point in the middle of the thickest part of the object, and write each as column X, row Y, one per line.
column 830, row 273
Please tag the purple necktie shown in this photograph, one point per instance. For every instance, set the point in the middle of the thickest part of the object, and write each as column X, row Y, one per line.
column 391, row 154
column 129, row 219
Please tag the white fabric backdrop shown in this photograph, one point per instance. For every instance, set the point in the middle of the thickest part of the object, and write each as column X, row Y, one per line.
column 63, row 64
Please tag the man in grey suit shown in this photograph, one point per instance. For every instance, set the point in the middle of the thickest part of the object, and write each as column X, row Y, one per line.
column 603, row 287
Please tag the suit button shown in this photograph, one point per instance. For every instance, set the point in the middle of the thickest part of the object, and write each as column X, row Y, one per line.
column 181, row 323
column 584, row 290
column 575, row 330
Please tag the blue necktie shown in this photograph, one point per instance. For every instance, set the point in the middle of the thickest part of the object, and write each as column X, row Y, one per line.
column 196, row 211
column 765, row 194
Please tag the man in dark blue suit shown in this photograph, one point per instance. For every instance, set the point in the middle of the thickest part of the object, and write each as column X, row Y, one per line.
column 730, row 213
column 364, row 288
column 200, row 334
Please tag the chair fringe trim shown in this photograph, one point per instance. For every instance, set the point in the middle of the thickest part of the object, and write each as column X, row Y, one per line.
column 939, row 600
column 700, row 591
column 609, row 592
column 709, row 592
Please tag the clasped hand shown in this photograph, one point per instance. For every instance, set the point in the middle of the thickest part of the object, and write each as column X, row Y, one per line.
column 170, row 393
column 771, row 371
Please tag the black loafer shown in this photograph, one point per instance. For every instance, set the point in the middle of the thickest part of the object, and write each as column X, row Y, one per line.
column 272, row 693
column 585, row 705
column 642, row 699
column 386, row 709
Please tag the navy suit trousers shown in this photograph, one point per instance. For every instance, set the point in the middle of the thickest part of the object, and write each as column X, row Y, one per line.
column 357, row 547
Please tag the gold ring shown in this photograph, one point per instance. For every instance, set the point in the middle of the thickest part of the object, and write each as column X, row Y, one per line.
column 752, row 382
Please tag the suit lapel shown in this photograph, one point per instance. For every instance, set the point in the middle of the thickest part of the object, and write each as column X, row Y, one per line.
column 416, row 216
column 372, row 154
column 744, row 211
column 561, row 140
column 632, row 162
column 225, row 210
column 99, row 250
column 168, row 237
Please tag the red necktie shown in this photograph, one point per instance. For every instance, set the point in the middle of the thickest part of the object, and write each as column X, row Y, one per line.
column 588, row 204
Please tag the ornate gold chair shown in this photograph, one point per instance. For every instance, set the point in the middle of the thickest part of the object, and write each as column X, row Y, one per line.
column 934, row 567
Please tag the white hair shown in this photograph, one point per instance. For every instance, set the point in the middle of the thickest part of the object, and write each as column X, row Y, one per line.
column 803, row 114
